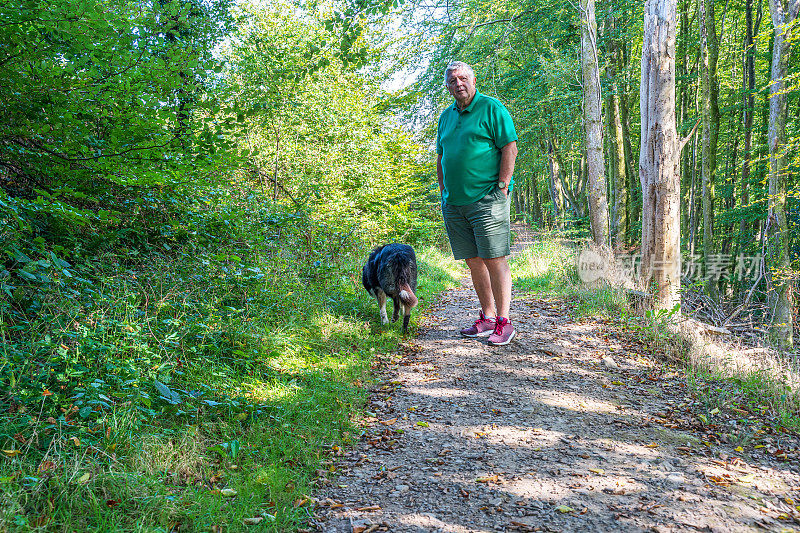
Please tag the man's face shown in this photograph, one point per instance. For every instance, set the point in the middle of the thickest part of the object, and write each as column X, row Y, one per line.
column 461, row 85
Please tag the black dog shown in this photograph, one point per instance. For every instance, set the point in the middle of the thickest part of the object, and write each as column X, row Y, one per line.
column 391, row 270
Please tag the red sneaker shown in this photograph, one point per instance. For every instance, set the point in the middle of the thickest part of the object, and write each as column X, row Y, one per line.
column 503, row 332
column 481, row 328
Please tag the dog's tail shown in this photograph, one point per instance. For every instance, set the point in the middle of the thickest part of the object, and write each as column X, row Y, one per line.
column 407, row 295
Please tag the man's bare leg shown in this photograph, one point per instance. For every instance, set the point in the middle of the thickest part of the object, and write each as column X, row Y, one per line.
column 500, row 278
column 483, row 284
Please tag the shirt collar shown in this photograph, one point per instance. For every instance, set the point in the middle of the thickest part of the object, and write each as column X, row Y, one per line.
column 471, row 104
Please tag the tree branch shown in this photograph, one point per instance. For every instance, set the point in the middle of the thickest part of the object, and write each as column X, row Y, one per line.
column 91, row 158
column 688, row 137
column 497, row 21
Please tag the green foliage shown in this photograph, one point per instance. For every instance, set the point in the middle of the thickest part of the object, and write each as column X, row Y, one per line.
column 323, row 143
column 547, row 265
column 108, row 91
column 181, row 241
column 228, row 362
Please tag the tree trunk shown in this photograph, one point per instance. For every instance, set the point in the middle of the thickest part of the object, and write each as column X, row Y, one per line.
column 693, row 200
column 748, row 107
column 659, row 156
column 616, row 156
column 612, row 172
column 709, row 47
column 571, row 192
column 277, row 160
column 534, row 201
column 516, row 197
column 783, row 15
column 554, row 184
column 631, row 168
column 682, row 69
column 593, row 125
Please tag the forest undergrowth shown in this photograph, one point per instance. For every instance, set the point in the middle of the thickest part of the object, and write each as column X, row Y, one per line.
column 192, row 376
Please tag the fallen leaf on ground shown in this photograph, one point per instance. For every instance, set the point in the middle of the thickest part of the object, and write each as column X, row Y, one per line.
column 487, row 479
column 719, row 480
column 423, row 424
column 597, row 470
column 45, row 466
column 520, row 526
column 370, row 508
column 564, row 509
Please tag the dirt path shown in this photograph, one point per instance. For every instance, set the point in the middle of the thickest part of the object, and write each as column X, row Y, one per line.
column 545, row 435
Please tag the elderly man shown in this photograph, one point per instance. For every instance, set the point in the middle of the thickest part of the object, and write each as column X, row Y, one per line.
column 477, row 148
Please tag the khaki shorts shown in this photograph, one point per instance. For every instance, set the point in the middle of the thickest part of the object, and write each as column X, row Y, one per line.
column 480, row 229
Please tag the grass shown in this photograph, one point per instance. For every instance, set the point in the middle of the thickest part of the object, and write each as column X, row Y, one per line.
column 191, row 391
column 547, row 269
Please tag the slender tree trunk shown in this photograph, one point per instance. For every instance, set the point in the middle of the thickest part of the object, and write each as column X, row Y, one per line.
column 277, row 160
column 593, row 124
column 518, row 203
column 682, row 70
column 616, row 156
column 783, row 15
column 709, row 46
column 695, row 169
column 631, row 168
column 534, row 200
column 554, row 184
column 611, row 170
column 693, row 200
column 731, row 167
column 621, row 178
column 748, row 105
column 659, row 156
column 748, row 110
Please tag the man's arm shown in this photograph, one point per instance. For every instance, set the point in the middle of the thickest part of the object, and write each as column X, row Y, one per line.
column 440, row 172
column 508, row 156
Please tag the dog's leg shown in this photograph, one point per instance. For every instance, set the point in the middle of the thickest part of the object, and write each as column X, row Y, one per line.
column 396, row 312
column 381, row 297
column 409, row 300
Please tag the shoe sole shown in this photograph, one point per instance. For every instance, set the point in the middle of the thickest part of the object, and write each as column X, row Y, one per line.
column 483, row 334
column 510, row 338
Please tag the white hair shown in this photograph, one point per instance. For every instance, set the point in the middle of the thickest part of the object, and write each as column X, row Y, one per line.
column 457, row 65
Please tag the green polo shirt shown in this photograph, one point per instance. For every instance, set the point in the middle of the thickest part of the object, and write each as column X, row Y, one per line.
column 469, row 142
